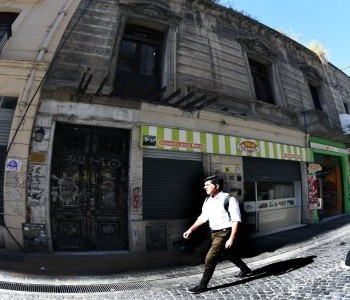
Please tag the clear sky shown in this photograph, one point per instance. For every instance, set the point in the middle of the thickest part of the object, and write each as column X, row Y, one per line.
column 327, row 22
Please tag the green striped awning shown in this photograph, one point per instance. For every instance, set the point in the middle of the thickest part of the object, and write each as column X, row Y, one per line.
column 194, row 141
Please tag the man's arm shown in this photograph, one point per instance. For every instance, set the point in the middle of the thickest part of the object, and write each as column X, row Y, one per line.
column 232, row 237
column 195, row 225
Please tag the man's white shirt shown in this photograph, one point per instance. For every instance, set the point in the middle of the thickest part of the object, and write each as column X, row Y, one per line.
column 213, row 210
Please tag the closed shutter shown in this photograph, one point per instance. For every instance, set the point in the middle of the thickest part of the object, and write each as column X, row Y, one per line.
column 172, row 188
column 6, row 116
column 270, row 170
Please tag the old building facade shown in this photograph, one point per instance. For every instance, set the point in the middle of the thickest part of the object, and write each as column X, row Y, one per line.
column 145, row 98
column 29, row 32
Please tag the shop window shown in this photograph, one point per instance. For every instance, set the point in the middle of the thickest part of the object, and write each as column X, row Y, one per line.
column 268, row 190
column 315, row 97
column 6, row 20
column 261, row 81
column 138, row 69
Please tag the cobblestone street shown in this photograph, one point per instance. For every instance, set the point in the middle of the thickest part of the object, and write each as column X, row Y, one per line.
column 315, row 273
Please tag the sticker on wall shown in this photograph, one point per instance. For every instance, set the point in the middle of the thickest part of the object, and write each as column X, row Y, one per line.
column 13, row 165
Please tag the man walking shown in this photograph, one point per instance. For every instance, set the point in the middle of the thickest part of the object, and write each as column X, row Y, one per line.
column 224, row 226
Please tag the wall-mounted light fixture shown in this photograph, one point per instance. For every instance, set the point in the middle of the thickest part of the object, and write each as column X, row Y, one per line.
column 39, row 135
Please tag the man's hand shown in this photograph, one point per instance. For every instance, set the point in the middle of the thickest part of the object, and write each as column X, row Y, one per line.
column 187, row 233
column 228, row 243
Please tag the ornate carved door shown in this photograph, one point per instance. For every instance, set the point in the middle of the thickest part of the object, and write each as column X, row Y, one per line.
column 89, row 188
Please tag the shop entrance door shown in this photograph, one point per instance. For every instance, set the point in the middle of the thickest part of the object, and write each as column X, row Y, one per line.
column 331, row 185
column 89, row 188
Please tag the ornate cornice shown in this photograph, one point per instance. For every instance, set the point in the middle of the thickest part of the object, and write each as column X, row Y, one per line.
column 256, row 46
column 151, row 9
column 311, row 73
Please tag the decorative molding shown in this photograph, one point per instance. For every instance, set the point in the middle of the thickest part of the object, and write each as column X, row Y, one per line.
column 311, row 73
column 151, row 9
column 255, row 45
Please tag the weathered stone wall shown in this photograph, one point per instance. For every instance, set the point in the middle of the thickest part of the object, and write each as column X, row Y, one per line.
column 212, row 46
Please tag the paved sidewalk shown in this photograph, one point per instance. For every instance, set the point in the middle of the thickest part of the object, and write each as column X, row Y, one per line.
column 100, row 269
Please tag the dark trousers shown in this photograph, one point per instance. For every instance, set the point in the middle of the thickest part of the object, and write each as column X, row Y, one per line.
column 217, row 247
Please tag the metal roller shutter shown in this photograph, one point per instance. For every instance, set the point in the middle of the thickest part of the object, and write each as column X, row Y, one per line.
column 6, row 116
column 172, row 188
column 270, row 170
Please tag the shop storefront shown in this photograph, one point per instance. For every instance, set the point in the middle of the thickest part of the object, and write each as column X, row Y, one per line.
column 268, row 188
column 331, row 179
column 272, row 193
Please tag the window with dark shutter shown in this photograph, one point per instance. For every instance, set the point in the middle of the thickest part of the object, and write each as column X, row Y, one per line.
column 261, row 81
column 315, row 97
column 6, row 20
column 138, row 69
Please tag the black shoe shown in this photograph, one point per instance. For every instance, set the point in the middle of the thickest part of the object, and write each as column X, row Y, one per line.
column 198, row 289
column 244, row 274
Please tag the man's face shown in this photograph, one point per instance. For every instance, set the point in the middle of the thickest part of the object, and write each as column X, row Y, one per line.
column 209, row 187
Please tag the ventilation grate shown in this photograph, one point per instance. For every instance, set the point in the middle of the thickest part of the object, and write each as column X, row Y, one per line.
column 68, row 289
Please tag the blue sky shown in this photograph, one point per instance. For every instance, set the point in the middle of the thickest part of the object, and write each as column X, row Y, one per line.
column 327, row 22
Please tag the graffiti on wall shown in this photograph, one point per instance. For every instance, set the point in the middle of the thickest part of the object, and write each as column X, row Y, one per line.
column 36, row 184
column 136, row 202
column 65, row 190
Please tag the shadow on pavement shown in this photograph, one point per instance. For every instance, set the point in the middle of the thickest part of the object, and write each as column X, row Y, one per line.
column 274, row 269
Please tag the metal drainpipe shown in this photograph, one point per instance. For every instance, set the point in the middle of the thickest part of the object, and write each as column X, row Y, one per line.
column 42, row 52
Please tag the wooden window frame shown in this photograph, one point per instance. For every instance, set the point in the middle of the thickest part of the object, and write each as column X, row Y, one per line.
column 261, row 81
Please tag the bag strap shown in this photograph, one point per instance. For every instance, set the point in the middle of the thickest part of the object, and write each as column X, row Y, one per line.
column 226, row 204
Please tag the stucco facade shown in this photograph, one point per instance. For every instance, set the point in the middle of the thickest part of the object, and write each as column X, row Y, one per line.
column 24, row 60
column 205, row 87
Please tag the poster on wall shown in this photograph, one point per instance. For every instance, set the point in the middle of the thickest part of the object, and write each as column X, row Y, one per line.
column 315, row 201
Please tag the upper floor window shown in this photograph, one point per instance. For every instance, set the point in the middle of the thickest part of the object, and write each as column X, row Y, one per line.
column 315, row 97
column 6, row 20
column 261, row 81
column 138, row 69
column 8, row 102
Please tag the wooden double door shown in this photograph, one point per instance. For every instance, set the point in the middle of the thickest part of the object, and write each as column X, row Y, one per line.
column 89, row 188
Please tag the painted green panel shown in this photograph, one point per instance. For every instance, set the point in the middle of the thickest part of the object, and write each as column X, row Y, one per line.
column 215, row 143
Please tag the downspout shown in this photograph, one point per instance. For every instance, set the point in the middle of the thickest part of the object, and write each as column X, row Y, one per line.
column 42, row 52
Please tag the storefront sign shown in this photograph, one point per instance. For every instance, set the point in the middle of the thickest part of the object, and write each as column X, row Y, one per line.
column 329, row 148
column 249, row 147
column 37, row 157
column 313, row 168
column 194, row 141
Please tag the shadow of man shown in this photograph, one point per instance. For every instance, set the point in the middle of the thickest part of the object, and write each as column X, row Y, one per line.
column 273, row 269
